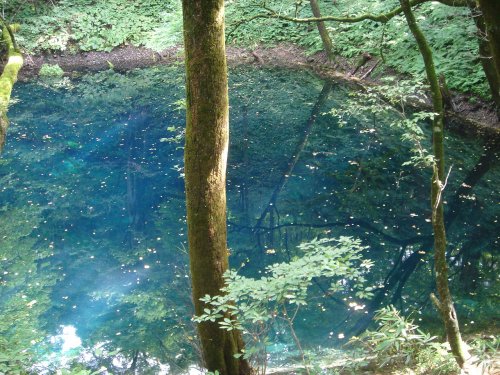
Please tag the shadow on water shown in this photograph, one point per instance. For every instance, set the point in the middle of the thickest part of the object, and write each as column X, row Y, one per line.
column 93, row 241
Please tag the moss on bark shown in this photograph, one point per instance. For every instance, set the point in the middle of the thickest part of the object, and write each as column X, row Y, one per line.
column 491, row 15
column 7, row 79
column 445, row 303
column 486, row 56
column 206, row 149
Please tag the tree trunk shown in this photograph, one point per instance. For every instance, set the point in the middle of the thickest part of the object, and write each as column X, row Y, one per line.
column 486, row 57
column 491, row 15
column 8, row 79
column 445, row 303
column 323, row 32
column 207, row 134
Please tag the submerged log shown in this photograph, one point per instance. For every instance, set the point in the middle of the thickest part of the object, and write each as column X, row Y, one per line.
column 296, row 154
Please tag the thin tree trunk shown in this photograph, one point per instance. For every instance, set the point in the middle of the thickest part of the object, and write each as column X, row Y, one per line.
column 491, row 15
column 486, row 57
column 323, row 32
column 402, row 270
column 207, row 134
column 438, row 183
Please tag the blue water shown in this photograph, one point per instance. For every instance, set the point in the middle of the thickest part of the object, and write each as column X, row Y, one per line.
column 93, row 254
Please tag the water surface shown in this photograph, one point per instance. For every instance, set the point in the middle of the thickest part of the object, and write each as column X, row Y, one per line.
column 93, row 237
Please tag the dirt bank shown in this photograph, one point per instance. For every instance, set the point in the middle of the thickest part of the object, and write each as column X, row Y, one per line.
column 475, row 113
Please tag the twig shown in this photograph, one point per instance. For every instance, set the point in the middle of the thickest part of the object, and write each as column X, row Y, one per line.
column 370, row 70
column 442, row 186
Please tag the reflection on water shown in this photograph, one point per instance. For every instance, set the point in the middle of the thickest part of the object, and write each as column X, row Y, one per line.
column 93, row 234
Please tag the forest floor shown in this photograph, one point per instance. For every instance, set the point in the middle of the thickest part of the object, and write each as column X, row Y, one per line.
column 478, row 113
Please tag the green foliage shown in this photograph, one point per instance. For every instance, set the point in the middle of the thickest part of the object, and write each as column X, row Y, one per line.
column 168, row 32
column 450, row 31
column 390, row 100
column 486, row 350
column 51, row 71
column 399, row 342
column 243, row 29
column 254, row 305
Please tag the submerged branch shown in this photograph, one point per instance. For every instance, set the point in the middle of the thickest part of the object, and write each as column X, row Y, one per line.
column 296, row 154
column 361, row 223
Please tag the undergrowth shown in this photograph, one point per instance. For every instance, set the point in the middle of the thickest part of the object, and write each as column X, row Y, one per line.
column 398, row 344
column 87, row 25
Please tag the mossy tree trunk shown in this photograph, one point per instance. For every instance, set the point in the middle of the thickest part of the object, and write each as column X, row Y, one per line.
column 7, row 79
column 445, row 303
column 206, row 149
column 485, row 54
column 491, row 15
column 323, row 32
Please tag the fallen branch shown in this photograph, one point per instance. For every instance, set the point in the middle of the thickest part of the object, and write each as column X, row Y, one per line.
column 257, row 58
column 370, row 70
column 364, row 58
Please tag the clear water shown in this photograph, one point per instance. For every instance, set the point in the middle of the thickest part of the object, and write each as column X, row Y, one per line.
column 93, row 261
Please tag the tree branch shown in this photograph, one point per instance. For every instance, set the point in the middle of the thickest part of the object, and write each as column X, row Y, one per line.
column 383, row 18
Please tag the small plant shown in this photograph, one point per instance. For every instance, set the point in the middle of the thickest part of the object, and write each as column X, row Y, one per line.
column 399, row 342
column 485, row 351
column 48, row 70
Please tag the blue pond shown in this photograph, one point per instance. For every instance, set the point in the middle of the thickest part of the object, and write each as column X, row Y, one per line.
column 93, row 249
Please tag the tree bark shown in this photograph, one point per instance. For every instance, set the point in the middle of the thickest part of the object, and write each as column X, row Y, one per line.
column 491, row 15
column 485, row 55
column 446, row 307
column 8, row 79
column 323, row 32
column 207, row 133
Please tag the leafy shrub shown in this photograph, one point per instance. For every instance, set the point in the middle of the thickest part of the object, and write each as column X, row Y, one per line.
column 48, row 70
column 84, row 25
column 486, row 351
column 255, row 305
column 398, row 342
column 390, row 100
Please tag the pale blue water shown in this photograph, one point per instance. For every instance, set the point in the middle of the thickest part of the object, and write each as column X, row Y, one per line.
column 93, row 235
